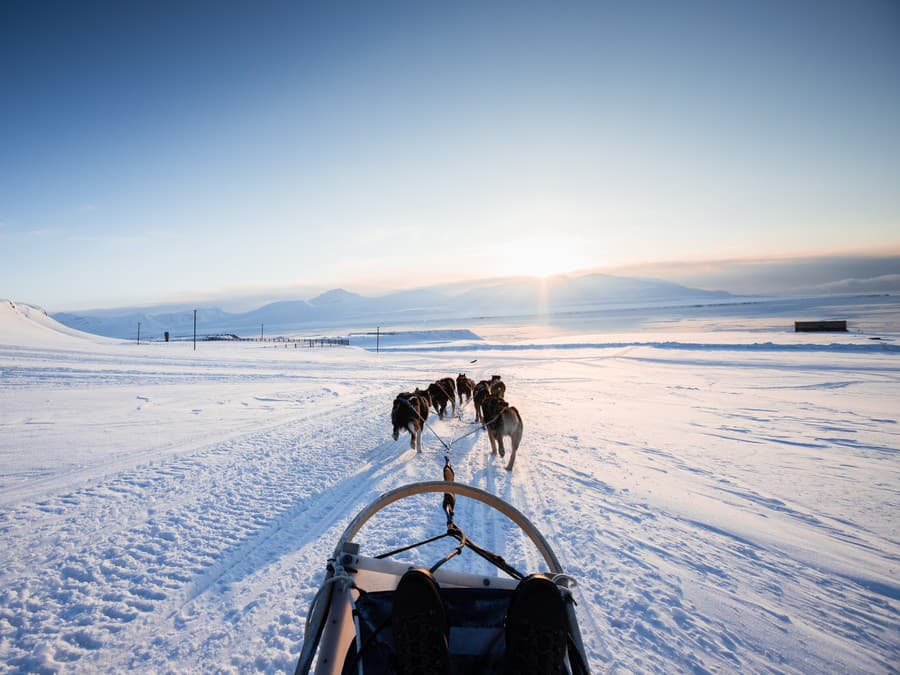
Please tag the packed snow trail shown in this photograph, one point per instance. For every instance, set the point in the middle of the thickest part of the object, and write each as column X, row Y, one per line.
column 717, row 517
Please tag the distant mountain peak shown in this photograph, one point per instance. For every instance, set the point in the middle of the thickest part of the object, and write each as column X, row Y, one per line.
column 334, row 297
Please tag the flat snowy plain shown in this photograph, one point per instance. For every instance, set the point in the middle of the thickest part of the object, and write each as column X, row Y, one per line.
column 727, row 500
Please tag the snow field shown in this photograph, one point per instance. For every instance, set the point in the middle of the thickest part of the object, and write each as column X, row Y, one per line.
column 722, row 510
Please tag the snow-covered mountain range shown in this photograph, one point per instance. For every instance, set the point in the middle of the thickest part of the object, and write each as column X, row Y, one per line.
column 492, row 297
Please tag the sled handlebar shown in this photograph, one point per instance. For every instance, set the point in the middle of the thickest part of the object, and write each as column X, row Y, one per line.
column 463, row 490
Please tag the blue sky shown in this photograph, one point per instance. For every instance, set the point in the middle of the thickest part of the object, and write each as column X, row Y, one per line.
column 153, row 152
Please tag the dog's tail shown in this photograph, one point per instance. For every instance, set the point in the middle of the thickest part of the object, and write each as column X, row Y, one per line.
column 518, row 427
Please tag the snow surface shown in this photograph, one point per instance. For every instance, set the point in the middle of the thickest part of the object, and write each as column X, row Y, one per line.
column 727, row 501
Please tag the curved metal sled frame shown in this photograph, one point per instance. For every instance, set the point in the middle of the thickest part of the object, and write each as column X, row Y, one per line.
column 330, row 612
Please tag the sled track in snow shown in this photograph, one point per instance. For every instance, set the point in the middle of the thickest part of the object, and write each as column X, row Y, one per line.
column 161, row 536
column 232, row 536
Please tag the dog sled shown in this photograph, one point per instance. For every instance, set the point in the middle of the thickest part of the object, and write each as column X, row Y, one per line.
column 348, row 628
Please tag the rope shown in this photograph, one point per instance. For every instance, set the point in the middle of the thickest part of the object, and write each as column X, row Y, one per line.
column 449, row 502
column 468, row 433
column 390, row 554
column 453, row 531
column 462, row 405
column 441, row 440
column 425, row 424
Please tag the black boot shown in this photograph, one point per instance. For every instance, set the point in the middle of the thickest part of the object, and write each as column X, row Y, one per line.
column 420, row 627
column 536, row 629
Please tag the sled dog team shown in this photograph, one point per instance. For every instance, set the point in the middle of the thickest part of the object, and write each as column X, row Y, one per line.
column 411, row 409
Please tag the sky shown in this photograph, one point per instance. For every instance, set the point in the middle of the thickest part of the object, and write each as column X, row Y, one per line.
column 154, row 152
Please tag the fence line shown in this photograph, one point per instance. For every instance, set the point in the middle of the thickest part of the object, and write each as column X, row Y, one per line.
column 230, row 337
column 306, row 342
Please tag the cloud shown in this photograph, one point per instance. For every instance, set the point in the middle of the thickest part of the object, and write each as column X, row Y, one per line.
column 43, row 232
column 107, row 238
column 886, row 283
column 780, row 276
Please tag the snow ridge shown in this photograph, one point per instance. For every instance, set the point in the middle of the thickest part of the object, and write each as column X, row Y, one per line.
column 874, row 347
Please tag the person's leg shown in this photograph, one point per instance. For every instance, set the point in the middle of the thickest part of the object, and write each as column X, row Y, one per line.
column 536, row 628
column 419, row 624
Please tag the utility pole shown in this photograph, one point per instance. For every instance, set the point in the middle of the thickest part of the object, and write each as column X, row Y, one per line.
column 377, row 339
column 195, row 330
column 261, row 326
column 139, row 333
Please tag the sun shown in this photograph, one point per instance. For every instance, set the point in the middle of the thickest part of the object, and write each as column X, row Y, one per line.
column 543, row 256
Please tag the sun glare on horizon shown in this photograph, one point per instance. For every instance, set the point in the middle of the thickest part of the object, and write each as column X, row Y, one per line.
column 543, row 257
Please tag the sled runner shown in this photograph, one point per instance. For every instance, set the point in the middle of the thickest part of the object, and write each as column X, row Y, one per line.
column 348, row 629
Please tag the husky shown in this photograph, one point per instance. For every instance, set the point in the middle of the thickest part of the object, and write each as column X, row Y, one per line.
column 409, row 413
column 464, row 386
column 502, row 419
column 479, row 394
column 443, row 392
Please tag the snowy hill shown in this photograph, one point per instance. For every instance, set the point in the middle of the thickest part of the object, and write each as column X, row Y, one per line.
column 123, row 323
column 22, row 324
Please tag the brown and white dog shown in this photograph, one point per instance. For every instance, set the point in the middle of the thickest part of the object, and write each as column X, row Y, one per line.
column 502, row 419
column 409, row 413
column 443, row 392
